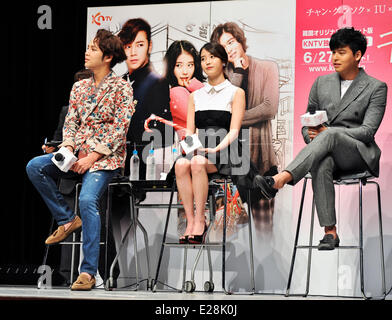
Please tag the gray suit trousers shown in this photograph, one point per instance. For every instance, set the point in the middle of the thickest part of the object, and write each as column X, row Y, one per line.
column 332, row 150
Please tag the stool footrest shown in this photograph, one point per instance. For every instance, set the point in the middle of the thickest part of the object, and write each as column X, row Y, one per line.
column 76, row 242
column 340, row 247
column 191, row 245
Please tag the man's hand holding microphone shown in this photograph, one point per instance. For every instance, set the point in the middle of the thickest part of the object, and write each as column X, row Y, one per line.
column 314, row 121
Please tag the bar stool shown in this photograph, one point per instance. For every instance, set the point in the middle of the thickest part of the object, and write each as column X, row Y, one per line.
column 190, row 286
column 74, row 242
column 124, row 181
column 362, row 179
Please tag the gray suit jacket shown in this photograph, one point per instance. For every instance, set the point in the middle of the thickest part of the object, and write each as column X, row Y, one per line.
column 358, row 113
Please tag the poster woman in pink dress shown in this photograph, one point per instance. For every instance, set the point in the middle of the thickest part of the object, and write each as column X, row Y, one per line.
column 185, row 75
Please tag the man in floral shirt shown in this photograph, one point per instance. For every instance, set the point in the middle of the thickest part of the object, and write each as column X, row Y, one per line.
column 95, row 128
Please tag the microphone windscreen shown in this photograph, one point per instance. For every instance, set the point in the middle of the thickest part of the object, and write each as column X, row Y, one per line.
column 59, row 157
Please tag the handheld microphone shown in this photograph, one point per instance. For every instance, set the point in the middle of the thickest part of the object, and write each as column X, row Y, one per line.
column 64, row 159
column 314, row 118
column 191, row 143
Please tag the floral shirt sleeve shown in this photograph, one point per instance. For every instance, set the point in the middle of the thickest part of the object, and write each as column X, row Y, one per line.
column 99, row 121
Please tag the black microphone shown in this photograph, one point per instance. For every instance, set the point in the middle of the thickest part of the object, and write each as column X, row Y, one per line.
column 189, row 140
column 59, row 156
column 312, row 109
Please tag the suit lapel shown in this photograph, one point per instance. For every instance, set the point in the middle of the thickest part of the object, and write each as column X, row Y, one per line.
column 335, row 93
column 356, row 87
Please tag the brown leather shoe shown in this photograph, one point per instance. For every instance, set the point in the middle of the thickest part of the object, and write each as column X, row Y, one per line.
column 83, row 283
column 60, row 234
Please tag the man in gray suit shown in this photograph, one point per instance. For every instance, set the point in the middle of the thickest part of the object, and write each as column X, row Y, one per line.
column 355, row 105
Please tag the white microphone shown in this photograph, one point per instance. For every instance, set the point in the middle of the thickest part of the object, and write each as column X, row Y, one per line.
column 191, row 143
column 64, row 159
column 314, row 118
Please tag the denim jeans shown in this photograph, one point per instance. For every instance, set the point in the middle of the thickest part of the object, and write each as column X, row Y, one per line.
column 44, row 174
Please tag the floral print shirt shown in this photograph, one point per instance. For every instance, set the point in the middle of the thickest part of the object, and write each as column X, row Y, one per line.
column 98, row 120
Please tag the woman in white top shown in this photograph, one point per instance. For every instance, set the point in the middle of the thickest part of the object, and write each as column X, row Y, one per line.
column 216, row 107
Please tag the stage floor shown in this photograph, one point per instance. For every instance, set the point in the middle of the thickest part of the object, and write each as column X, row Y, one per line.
column 31, row 292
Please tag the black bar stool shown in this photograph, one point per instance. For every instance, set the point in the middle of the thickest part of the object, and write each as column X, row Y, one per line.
column 362, row 179
column 134, row 224
column 73, row 242
column 190, row 286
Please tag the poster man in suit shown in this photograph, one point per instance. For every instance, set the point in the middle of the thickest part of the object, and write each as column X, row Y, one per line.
column 355, row 105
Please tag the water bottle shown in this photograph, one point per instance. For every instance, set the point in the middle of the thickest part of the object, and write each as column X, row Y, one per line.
column 175, row 154
column 134, row 166
column 150, row 166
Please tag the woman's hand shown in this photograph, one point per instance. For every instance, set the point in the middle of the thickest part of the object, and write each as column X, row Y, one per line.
column 208, row 150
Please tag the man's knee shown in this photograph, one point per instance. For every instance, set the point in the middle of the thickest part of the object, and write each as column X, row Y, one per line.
column 332, row 133
column 88, row 200
column 34, row 166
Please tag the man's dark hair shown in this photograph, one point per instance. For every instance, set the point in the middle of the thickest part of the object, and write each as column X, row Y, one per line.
column 131, row 28
column 175, row 49
column 83, row 74
column 233, row 29
column 348, row 37
column 110, row 45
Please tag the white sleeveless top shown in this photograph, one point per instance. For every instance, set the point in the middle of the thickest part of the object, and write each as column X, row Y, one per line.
column 218, row 97
column 213, row 105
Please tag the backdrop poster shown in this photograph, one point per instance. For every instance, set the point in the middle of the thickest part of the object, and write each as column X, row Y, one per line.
column 270, row 36
column 287, row 32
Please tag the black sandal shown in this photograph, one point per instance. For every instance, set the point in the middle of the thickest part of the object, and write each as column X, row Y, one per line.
column 198, row 238
column 183, row 240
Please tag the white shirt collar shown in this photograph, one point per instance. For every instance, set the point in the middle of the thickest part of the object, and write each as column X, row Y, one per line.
column 211, row 89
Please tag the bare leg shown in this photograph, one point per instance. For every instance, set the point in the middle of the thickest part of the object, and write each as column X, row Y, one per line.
column 184, row 186
column 200, row 168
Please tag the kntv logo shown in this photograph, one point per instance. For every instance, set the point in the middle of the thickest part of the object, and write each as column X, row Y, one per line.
column 99, row 18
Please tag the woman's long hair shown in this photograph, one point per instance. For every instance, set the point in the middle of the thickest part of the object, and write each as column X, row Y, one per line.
column 175, row 49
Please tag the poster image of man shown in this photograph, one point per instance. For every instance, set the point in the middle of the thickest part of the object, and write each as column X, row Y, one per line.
column 260, row 81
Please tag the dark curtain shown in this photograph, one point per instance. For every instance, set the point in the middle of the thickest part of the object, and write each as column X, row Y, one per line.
column 39, row 74
column 38, row 77
column 40, row 65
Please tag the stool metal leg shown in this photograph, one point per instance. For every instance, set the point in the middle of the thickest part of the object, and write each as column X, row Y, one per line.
column 310, row 249
column 147, row 248
column 184, row 268
column 164, row 236
column 108, row 211
column 381, row 238
column 252, row 269
column 212, row 211
column 224, row 241
column 361, row 240
column 133, row 217
column 73, row 235
column 296, row 238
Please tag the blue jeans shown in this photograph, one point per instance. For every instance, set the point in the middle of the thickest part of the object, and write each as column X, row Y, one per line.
column 44, row 174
